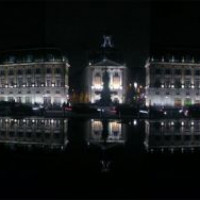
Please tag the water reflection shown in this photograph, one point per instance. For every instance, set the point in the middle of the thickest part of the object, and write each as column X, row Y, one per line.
column 182, row 134
column 106, row 131
column 37, row 132
column 107, row 134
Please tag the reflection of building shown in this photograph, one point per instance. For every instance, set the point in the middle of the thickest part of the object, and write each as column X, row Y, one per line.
column 117, row 80
column 114, row 131
column 39, row 132
column 172, row 81
column 172, row 134
column 34, row 76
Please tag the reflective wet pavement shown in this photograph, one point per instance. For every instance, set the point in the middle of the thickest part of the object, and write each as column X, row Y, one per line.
column 44, row 157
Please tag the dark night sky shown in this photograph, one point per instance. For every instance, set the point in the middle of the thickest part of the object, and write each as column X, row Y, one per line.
column 77, row 28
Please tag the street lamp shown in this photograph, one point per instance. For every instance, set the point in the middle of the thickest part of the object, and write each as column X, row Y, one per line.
column 135, row 85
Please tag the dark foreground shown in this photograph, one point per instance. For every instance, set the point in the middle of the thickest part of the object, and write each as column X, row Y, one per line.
column 77, row 173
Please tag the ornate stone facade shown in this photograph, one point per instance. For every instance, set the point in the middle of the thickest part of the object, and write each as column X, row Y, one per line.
column 172, row 82
column 34, row 76
column 117, row 80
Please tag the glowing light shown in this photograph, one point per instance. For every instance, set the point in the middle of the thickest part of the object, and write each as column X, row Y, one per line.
column 172, row 86
column 162, row 123
column 162, row 86
column 182, row 86
column 182, row 123
column 135, row 85
column 192, row 86
column 192, row 123
column 172, row 123
column 97, row 87
column 52, row 84
column 134, row 122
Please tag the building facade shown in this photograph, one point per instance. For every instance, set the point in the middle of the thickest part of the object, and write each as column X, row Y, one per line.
column 34, row 76
column 172, row 81
column 117, row 80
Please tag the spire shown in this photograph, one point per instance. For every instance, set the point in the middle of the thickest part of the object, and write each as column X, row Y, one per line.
column 107, row 41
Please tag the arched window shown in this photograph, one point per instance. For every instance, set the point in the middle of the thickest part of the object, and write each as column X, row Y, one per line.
column 97, row 79
column 116, row 80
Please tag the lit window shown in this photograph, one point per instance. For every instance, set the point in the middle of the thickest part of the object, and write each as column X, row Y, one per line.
column 116, row 80
column 97, row 80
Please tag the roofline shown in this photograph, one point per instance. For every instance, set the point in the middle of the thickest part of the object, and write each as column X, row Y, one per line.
column 33, row 63
column 24, row 49
column 172, row 63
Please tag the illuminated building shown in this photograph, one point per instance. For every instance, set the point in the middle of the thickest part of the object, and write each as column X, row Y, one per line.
column 105, row 63
column 172, row 81
column 37, row 132
column 34, row 76
column 117, row 80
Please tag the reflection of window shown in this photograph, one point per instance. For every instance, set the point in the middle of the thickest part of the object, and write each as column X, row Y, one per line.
column 97, row 127
column 115, row 128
